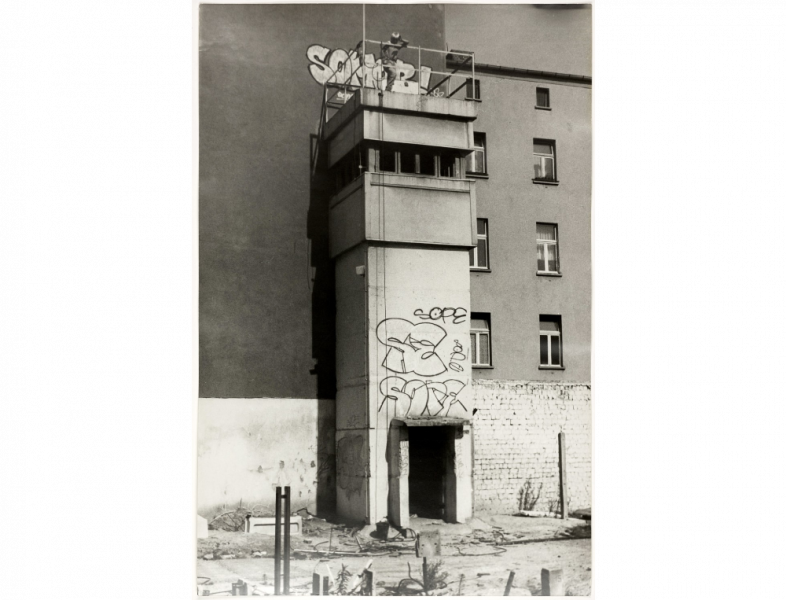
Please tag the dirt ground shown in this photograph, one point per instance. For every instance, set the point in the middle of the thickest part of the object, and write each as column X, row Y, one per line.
column 484, row 551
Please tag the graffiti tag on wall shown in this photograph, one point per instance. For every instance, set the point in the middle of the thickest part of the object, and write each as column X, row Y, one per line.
column 459, row 315
column 418, row 398
column 413, row 354
column 412, row 348
column 456, row 356
column 350, row 466
column 343, row 67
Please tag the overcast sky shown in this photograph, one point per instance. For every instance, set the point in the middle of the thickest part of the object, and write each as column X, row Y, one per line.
column 542, row 37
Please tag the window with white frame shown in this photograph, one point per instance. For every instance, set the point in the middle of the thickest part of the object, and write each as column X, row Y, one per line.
column 545, row 160
column 415, row 160
column 480, row 339
column 479, row 255
column 550, row 341
column 548, row 249
column 542, row 98
column 477, row 160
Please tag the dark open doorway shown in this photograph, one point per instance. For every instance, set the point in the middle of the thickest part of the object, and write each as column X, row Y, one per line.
column 428, row 470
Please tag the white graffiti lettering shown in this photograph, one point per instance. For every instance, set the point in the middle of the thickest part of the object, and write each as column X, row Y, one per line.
column 343, row 67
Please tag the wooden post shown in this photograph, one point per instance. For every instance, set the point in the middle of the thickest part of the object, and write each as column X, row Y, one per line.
column 510, row 583
column 367, row 584
column 316, row 584
column 563, row 476
column 240, row 588
column 320, row 585
column 551, row 583
column 277, row 546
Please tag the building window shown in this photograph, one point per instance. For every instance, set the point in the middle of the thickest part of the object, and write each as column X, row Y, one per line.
column 427, row 162
column 447, row 165
column 409, row 161
column 545, row 160
column 480, row 339
column 413, row 160
column 387, row 160
column 548, row 250
column 550, row 341
column 479, row 256
column 542, row 98
column 473, row 89
column 477, row 160
column 350, row 167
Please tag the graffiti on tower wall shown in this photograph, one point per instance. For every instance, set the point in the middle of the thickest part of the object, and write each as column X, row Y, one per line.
column 351, row 469
column 422, row 363
column 343, row 67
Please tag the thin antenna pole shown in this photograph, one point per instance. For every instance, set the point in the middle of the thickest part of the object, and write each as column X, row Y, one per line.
column 363, row 58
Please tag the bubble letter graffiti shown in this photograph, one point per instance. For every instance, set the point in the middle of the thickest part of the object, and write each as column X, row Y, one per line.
column 412, row 348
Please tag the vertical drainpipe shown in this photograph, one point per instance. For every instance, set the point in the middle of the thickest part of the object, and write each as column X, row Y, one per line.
column 371, row 393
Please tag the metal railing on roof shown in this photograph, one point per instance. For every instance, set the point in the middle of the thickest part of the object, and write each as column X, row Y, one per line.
column 359, row 72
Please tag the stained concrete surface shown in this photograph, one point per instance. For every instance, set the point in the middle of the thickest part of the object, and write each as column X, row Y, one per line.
column 481, row 550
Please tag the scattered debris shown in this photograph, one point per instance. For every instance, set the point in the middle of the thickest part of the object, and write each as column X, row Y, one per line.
column 536, row 513
column 433, row 577
column 582, row 513
column 233, row 520
column 304, row 514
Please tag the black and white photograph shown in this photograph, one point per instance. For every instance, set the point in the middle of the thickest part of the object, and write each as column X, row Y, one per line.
column 395, row 299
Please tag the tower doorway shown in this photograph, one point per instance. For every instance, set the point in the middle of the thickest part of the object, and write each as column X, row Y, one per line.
column 429, row 470
column 429, row 460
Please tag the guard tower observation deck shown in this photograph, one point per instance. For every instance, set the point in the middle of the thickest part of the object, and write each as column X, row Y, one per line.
column 412, row 140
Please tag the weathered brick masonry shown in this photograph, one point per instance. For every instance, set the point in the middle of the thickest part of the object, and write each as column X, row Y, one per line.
column 516, row 444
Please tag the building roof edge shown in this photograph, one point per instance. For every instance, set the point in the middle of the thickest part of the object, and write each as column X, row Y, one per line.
column 521, row 73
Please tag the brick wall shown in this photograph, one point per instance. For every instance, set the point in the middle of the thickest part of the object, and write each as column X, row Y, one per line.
column 516, row 449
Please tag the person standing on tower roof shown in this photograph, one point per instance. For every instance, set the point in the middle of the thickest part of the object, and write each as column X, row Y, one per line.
column 390, row 52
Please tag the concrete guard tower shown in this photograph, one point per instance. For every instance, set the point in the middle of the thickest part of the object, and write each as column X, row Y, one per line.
column 402, row 221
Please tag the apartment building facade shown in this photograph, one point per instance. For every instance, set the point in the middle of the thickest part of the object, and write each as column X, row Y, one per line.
column 394, row 290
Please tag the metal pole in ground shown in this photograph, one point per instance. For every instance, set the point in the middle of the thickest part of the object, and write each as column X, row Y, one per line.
column 510, row 583
column 563, row 475
column 286, row 540
column 277, row 548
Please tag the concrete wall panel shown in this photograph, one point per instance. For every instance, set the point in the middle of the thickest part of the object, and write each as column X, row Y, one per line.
column 347, row 219
column 415, row 129
column 243, row 453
